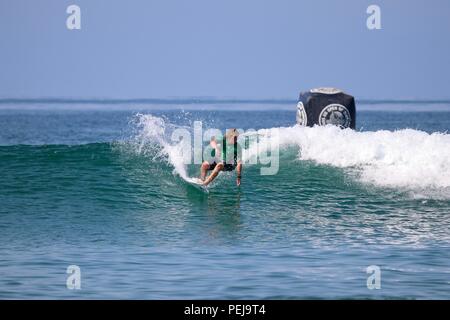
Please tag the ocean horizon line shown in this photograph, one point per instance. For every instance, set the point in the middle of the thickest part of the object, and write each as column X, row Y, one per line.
column 201, row 100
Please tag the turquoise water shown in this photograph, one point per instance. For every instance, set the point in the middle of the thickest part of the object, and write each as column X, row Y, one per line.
column 93, row 186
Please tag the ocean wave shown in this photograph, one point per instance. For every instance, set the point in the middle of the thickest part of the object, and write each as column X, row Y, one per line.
column 406, row 160
column 409, row 159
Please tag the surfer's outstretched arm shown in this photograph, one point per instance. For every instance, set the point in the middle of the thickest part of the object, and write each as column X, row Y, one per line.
column 239, row 172
column 214, row 173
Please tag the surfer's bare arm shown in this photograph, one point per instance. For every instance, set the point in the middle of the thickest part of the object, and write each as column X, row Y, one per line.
column 238, row 172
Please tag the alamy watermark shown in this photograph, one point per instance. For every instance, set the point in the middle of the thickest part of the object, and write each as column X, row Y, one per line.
column 373, row 22
column 73, row 21
column 374, row 279
column 73, row 281
column 196, row 145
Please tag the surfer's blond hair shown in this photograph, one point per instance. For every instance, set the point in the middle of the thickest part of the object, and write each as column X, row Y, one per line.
column 232, row 134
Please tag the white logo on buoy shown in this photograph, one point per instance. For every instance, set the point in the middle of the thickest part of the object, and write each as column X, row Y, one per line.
column 326, row 90
column 335, row 114
column 302, row 119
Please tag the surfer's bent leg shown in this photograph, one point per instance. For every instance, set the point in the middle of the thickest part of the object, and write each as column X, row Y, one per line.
column 213, row 175
column 203, row 169
column 239, row 173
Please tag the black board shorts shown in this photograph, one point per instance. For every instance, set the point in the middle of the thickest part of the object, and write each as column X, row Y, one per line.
column 226, row 166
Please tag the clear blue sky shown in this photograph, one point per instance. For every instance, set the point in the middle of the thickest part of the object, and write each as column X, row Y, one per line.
column 224, row 48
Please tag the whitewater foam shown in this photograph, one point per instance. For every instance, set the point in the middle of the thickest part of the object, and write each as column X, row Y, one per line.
column 405, row 158
column 151, row 140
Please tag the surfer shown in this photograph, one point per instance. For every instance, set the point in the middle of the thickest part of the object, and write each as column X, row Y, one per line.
column 219, row 161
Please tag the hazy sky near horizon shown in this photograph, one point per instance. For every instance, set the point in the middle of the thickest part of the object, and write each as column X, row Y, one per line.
column 229, row 48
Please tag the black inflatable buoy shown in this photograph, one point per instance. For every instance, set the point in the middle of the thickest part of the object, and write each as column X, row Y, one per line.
column 324, row 106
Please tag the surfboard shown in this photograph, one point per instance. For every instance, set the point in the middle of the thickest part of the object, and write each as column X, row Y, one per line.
column 196, row 183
